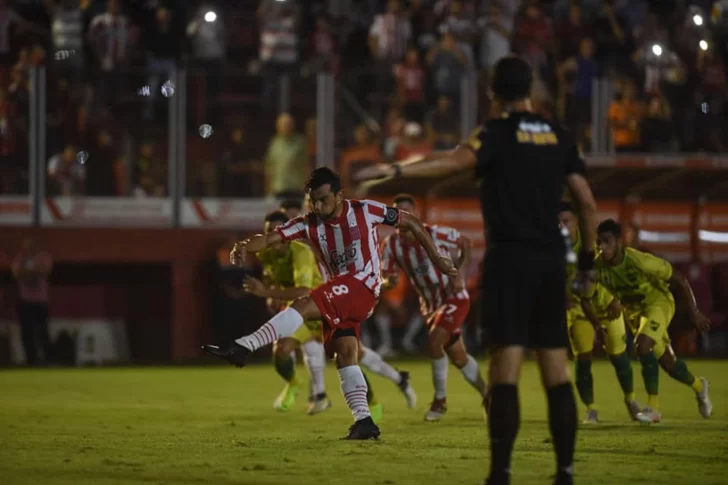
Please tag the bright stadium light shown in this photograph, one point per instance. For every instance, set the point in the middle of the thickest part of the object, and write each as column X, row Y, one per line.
column 657, row 50
column 703, row 45
column 698, row 20
column 210, row 16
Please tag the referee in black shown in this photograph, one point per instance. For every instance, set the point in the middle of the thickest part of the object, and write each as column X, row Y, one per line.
column 522, row 163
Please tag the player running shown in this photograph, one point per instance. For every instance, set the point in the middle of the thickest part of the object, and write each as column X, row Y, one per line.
column 642, row 283
column 601, row 313
column 344, row 236
column 444, row 302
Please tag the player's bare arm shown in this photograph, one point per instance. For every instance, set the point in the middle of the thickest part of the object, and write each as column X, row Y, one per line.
column 257, row 288
column 433, row 165
column 254, row 244
column 700, row 321
column 414, row 225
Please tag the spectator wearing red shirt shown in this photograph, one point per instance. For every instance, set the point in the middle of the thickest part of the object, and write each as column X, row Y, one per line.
column 31, row 268
column 410, row 76
column 533, row 36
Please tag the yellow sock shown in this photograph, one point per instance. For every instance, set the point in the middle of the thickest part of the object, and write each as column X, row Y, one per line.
column 653, row 401
column 629, row 397
column 697, row 385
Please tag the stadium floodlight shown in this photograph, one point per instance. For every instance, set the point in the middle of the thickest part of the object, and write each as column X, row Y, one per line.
column 698, row 20
column 657, row 50
column 210, row 16
column 703, row 45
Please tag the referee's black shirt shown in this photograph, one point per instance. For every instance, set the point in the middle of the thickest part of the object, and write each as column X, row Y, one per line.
column 522, row 164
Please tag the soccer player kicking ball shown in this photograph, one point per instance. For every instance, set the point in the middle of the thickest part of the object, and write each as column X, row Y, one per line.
column 585, row 316
column 642, row 283
column 344, row 236
column 444, row 302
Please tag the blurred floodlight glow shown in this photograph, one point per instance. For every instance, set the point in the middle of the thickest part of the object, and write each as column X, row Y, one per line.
column 698, row 20
column 210, row 16
column 657, row 50
column 703, row 45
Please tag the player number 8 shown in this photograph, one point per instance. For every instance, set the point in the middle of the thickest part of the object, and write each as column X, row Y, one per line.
column 340, row 290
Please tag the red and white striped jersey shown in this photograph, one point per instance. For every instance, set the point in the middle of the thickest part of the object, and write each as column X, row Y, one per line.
column 347, row 244
column 432, row 286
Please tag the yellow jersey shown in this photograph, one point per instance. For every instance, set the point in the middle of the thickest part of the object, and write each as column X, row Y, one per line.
column 294, row 268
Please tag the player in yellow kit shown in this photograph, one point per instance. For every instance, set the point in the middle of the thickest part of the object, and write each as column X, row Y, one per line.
column 600, row 313
column 642, row 283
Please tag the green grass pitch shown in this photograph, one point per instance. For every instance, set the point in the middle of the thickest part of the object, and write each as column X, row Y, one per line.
column 216, row 425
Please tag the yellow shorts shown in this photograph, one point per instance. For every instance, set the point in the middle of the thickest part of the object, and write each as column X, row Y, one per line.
column 581, row 333
column 310, row 330
column 653, row 322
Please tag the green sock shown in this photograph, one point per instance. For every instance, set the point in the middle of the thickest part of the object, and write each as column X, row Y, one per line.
column 371, row 399
column 681, row 373
column 286, row 368
column 585, row 382
column 651, row 373
column 623, row 369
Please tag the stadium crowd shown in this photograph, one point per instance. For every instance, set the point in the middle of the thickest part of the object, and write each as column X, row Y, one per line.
column 401, row 62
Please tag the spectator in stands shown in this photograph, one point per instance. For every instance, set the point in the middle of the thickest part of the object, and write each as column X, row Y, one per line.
column 625, row 114
column 241, row 176
column 67, row 36
column 461, row 25
column 389, row 37
column 658, row 63
column 576, row 75
column 9, row 18
column 495, row 41
column 102, row 173
column 31, row 268
column 448, row 65
column 365, row 151
column 614, row 40
column 411, row 77
column 151, row 173
column 324, row 46
column 286, row 164
column 163, row 50
column 413, row 143
column 658, row 131
column 208, row 37
column 570, row 32
column 533, row 36
column 443, row 125
column 422, row 20
column 66, row 176
column 279, row 39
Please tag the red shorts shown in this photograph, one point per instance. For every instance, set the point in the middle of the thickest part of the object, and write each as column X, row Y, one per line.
column 452, row 314
column 344, row 303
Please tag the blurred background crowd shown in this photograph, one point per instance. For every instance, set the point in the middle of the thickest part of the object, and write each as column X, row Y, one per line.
column 399, row 68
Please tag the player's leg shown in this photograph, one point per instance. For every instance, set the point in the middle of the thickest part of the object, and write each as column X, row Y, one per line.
column 286, row 368
column 616, row 347
column 353, row 384
column 375, row 406
column 314, row 356
column 581, row 336
column 468, row 366
column 283, row 324
column 548, row 333
column 414, row 325
column 437, row 340
column 375, row 363
column 383, row 321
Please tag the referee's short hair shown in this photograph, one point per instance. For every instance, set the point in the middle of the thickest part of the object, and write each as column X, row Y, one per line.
column 610, row 226
column 512, row 79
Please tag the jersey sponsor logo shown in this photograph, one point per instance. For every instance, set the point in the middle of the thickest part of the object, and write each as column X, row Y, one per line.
column 342, row 259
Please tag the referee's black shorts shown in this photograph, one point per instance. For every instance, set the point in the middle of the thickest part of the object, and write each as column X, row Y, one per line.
column 524, row 298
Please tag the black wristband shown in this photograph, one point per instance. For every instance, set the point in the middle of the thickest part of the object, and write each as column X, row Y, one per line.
column 586, row 260
column 397, row 170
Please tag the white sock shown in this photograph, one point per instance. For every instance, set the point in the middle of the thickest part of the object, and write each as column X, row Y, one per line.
column 384, row 327
column 283, row 324
column 315, row 358
column 439, row 376
column 471, row 372
column 374, row 362
column 354, row 388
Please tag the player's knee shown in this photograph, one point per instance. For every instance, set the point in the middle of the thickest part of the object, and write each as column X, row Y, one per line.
column 644, row 345
column 584, row 356
column 306, row 307
column 346, row 345
column 436, row 344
